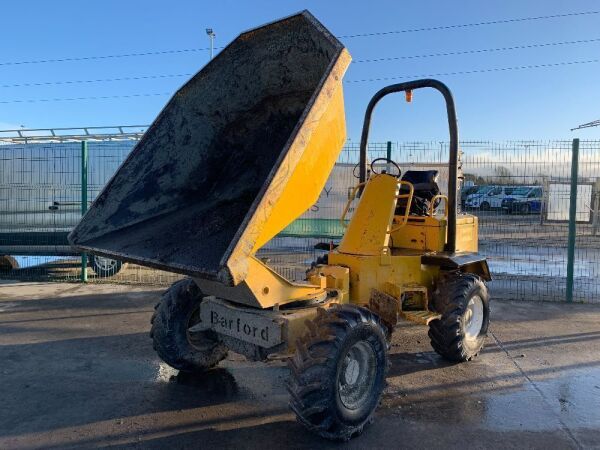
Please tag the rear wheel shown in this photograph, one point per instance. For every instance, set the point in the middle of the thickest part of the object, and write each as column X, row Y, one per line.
column 525, row 208
column 178, row 311
column 106, row 267
column 463, row 302
column 338, row 372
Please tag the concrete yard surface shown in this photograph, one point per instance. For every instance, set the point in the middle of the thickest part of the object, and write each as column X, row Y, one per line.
column 78, row 371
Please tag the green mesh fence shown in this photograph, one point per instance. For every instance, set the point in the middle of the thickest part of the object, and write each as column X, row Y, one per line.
column 520, row 191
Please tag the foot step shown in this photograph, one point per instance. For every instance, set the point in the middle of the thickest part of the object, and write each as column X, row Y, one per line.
column 421, row 317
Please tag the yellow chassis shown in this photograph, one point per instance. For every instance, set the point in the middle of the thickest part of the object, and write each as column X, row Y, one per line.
column 381, row 264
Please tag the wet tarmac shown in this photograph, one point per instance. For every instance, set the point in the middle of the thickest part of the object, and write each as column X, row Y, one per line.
column 78, row 371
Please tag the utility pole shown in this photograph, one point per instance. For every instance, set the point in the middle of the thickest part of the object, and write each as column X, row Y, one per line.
column 211, row 34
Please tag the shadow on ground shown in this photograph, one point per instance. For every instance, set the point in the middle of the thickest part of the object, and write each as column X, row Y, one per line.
column 79, row 371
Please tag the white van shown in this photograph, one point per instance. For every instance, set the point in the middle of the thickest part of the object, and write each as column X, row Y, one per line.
column 488, row 197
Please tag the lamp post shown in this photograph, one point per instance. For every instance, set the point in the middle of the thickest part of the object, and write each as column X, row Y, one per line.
column 211, row 34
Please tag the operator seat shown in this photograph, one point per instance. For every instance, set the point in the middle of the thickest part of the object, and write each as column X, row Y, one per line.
column 425, row 188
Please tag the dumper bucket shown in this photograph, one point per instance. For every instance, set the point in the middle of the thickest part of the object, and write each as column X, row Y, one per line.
column 239, row 152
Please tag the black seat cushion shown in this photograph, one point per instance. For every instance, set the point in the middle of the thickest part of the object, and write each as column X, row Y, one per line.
column 425, row 188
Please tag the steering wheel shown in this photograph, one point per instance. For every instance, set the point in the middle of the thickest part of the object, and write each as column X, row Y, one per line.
column 354, row 174
column 387, row 160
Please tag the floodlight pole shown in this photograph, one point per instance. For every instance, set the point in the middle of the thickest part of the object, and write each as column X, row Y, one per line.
column 211, row 34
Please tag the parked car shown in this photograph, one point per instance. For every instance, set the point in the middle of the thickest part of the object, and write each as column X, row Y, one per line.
column 466, row 191
column 524, row 200
column 488, row 197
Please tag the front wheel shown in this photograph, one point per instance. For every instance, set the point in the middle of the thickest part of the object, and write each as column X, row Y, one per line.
column 485, row 206
column 338, row 372
column 463, row 302
column 177, row 312
column 525, row 208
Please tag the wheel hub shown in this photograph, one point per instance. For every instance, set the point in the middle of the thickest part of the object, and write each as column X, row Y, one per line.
column 106, row 264
column 352, row 371
column 357, row 375
column 473, row 318
column 195, row 339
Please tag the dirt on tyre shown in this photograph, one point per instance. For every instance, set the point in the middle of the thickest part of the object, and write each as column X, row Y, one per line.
column 463, row 302
column 337, row 374
column 177, row 311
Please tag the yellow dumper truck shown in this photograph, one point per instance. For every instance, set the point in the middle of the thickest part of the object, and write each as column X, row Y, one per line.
column 242, row 150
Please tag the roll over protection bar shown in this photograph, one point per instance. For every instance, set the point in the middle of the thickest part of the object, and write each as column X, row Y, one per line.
column 453, row 130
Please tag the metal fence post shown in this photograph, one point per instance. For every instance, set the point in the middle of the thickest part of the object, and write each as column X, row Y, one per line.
column 596, row 210
column 388, row 155
column 84, row 201
column 572, row 219
column 545, row 196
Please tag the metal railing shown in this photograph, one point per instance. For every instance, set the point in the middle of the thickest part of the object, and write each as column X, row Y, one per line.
column 107, row 133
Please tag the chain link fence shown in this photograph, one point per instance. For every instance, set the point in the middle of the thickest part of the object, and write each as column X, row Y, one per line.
column 536, row 239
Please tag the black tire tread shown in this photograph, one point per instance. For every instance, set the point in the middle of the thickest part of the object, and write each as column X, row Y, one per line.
column 168, row 340
column 450, row 300
column 312, row 369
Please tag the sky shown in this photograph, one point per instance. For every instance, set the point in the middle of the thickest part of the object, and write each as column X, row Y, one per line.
column 537, row 103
